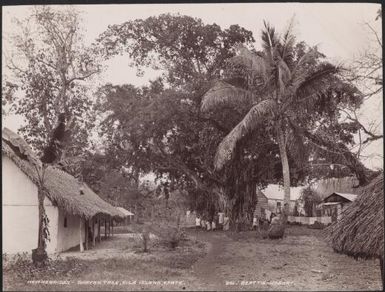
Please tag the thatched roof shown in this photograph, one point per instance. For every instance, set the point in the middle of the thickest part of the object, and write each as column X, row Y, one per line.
column 325, row 187
column 125, row 211
column 344, row 196
column 360, row 231
column 62, row 188
column 276, row 192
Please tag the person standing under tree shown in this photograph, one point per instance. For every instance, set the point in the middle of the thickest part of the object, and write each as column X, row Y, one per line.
column 197, row 222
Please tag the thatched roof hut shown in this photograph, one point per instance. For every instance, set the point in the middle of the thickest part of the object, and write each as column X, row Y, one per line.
column 360, row 231
column 325, row 187
column 61, row 188
column 125, row 212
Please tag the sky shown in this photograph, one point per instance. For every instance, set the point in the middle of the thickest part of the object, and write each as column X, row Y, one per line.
column 337, row 28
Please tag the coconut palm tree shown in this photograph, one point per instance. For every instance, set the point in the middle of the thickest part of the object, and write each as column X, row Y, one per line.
column 283, row 89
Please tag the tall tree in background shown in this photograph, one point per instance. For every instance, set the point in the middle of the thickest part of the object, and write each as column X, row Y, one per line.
column 182, row 46
column 366, row 73
column 290, row 93
column 47, row 68
column 162, row 130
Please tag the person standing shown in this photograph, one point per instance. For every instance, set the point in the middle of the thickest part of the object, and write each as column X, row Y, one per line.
column 197, row 222
column 221, row 216
column 226, row 223
column 255, row 223
column 208, row 225
column 203, row 222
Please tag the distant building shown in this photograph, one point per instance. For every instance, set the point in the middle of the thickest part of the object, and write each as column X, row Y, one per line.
column 334, row 204
column 275, row 195
column 347, row 185
column 262, row 204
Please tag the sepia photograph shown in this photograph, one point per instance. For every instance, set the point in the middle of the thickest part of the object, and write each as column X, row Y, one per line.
column 192, row 147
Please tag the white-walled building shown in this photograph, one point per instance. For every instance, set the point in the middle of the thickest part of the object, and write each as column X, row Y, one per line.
column 275, row 195
column 74, row 211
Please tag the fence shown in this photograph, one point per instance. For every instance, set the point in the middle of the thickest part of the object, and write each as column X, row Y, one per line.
column 310, row 220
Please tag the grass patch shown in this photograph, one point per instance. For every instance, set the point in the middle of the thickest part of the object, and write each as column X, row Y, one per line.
column 160, row 264
column 20, row 269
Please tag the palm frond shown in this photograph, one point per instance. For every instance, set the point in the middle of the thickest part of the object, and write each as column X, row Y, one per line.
column 269, row 39
column 252, row 119
column 284, row 74
column 311, row 84
column 287, row 42
column 251, row 61
column 223, row 93
column 308, row 56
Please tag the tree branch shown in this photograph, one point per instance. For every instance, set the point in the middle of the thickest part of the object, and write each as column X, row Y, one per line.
column 82, row 77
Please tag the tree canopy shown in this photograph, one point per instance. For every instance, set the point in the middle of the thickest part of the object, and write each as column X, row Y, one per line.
column 49, row 66
column 222, row 119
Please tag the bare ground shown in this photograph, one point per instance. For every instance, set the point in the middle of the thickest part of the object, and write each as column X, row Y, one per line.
column 227, row 261
column 296, row 262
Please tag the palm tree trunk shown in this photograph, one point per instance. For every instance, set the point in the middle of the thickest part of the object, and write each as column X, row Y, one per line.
column 40, row 244
column 285, row 170
column 39, row 255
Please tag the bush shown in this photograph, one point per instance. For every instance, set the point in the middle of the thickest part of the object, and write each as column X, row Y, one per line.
column 145, row 240
column 276, row 231
column 170, row 236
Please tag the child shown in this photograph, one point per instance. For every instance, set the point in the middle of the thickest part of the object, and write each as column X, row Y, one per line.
column 208, row 225
column 197, row 222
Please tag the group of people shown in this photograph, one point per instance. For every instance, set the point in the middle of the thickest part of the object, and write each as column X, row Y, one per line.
column 220, row 221
column 217, row 222
column 262, row 218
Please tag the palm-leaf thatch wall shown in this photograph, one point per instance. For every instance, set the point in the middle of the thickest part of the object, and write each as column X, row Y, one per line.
column 61, row 188
column 360, row 231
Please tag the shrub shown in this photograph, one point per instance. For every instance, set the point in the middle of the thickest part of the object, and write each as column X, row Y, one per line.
column 276, row 231
column 145, row 240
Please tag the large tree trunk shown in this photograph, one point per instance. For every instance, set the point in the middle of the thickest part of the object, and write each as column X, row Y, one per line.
column 285, row 170
column 241, row 193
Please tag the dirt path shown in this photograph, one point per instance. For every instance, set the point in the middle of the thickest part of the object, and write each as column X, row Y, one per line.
column 301, row 261
column 206, row 268
column 297, row 262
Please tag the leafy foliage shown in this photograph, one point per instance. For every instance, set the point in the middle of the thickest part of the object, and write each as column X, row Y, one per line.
column 294, row 92
column 49, row 67
column 160, row 128
column 182, row 46
column 310, row 199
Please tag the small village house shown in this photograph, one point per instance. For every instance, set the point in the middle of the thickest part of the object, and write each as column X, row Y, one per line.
column 334, row 204
column 347, row 185
column 275, row 197
column 74, row 211
column 262, row 204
